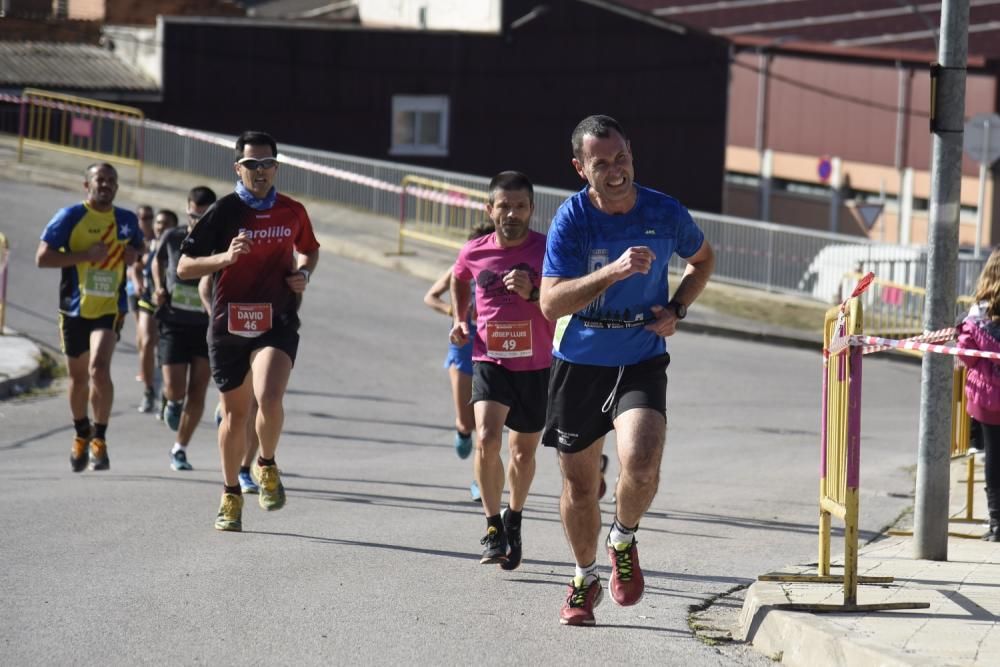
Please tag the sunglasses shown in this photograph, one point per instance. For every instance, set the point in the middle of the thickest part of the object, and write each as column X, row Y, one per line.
column 195, row 216
column 254, row 164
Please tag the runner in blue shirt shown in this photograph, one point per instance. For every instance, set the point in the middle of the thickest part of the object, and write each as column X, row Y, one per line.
column 605, row 280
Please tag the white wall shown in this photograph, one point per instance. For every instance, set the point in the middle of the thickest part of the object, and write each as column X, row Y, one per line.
column 466, row 15
column 139, row 46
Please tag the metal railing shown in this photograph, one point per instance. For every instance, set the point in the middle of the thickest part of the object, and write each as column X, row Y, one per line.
column 439, row 212
column 768, row 256
column 762, row 255
column 896, row 310
column 81, row 126
column 840, row 462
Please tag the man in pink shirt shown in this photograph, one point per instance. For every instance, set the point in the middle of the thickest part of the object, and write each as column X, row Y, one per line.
column 511, row 355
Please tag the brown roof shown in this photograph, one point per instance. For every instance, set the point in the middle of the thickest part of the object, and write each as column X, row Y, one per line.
column 62, row 66
column 898, row 25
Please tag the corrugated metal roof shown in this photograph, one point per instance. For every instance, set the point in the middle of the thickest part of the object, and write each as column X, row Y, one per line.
column 883, row 24
column 68, row 67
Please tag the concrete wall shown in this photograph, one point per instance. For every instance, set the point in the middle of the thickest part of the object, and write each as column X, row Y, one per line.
column 477, row 16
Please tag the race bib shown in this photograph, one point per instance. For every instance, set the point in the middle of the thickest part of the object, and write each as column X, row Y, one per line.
column 508, row 339
column 249, row 319
column 185, row 297
column 101, row 282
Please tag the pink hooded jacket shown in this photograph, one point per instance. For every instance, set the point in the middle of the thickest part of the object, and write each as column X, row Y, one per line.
column 982, row 382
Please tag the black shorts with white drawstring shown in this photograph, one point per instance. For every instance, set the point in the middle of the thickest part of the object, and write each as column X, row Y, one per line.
column 585, row 400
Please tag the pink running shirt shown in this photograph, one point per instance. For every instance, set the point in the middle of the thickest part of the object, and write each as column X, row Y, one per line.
column 510, row 331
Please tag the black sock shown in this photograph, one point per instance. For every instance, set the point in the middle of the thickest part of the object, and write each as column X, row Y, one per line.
column 244, row 470
column 232, row 489
column 100, row 430
column 82, row 427
column 512, row 519
column 623, row 528
column 464, row 435
column 494, row 522
column 261, row 461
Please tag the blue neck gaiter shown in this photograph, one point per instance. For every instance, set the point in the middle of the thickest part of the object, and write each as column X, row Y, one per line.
column 251, row 200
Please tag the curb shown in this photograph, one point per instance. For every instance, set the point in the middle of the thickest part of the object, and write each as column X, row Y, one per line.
column 21, row 376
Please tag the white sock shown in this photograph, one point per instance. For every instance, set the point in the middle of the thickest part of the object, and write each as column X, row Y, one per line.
column 620, row 534
column 178, row 447
column 587, row 574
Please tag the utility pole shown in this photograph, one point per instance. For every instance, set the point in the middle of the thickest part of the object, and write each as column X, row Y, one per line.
column 947, row 122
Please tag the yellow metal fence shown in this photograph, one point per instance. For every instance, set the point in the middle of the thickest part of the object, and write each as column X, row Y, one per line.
column 840, row 462
column 439, row 212
column 81, row 126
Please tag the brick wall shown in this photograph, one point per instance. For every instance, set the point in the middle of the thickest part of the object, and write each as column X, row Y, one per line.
column 144, row 12
column 50, row 30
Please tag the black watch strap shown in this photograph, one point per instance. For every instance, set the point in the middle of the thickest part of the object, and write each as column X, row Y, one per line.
column 680, row 310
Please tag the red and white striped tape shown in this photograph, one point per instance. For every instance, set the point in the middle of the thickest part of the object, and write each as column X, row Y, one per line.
column 442, row 197
column 923, row 347
column 68, row 106
column 939, row 336
column 449, row 198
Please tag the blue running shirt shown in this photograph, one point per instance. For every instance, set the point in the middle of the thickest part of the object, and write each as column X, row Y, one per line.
column 610, row 330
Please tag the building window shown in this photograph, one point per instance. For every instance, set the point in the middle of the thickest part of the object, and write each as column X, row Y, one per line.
column 419, row 125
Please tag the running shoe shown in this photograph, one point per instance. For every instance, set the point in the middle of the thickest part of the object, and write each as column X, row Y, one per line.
column 495, row 547
column 247, row 485
column 513, row 543
column 272, row 492
column 230, row 516
column 179, row 461
column 580, row 602
column 172, row 414
column 146, row 404
column 474, row 490
column 463, row 445
column 99, row 455
column 78, row 454
column 626, row 584
column 218, row 414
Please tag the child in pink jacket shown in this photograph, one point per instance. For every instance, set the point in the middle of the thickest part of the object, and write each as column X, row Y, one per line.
column 980, row 330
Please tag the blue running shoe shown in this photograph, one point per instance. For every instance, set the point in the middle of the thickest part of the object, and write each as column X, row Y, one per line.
column 474, row 490
column 179, row 461
column 463, row 445
column 247, row 485
column 172, row 414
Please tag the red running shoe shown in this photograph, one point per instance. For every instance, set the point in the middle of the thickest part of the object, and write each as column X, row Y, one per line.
column 580, row 602
column 626, row 585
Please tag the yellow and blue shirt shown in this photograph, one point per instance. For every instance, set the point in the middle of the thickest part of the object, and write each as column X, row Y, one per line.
column 93, row 289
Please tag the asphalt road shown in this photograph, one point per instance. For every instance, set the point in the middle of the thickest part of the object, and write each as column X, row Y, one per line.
column 375, row 557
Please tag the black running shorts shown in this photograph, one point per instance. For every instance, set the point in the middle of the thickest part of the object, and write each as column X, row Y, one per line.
column 521, row 391
column 181, row 343
column 229, row 355
column 585, row 400
column 74, row 332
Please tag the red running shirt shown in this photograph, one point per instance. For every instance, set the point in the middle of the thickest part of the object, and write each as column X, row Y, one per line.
column 257, row 277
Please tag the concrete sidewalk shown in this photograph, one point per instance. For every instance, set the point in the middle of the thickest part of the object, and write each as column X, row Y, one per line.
column 959, row 628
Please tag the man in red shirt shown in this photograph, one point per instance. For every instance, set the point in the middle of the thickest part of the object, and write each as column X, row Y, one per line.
column 260, row 249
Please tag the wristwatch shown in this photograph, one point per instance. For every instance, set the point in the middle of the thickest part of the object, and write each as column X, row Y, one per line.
column 306, row 273
column 679, row 309
column 535, row 294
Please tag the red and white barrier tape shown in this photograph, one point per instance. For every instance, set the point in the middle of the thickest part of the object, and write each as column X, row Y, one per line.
column 441, row 197
column 923, row 347
column 69, row 106
column 938, row 336
column 448, row 198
